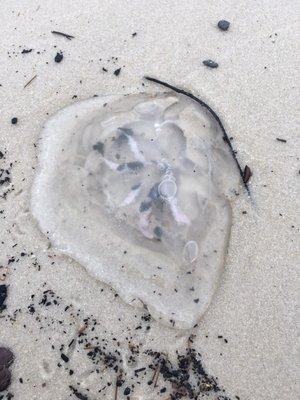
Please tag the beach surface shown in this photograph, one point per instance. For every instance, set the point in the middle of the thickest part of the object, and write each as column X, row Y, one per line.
column 55, row 314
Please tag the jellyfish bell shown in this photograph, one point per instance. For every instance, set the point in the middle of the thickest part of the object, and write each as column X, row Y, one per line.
column 145, row 174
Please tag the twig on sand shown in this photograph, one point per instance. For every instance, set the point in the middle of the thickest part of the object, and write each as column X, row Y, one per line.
column 119, row 383
column 156, row 377
column 30, row 81
column 116, row 391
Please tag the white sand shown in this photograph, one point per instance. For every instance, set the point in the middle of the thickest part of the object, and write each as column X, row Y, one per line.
column 254, row 90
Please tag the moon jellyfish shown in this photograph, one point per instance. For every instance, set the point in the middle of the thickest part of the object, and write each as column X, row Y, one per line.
column 138, row 189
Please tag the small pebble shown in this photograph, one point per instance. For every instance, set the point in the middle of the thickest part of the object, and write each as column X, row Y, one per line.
column 117, row 72
column 64, row 357
column 14, row 120
column 58, row 58
column 223, row 25
column 127, row 391
column 210, row 63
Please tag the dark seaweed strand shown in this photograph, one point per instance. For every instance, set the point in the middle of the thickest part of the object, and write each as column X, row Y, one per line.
column 216, row 117
column 66, row 35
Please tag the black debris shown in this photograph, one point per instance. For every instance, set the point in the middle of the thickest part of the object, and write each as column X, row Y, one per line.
column 281, row 140
column 14, row 120
column 31, row 309
column 223, row 25
column 127, row 391
column 183, row 377
column 58, row 58
column 117, row 72
column 66, row 35
column 3, row 295
column 134, row 34
column 247, row 174
column 210, row 63
column 26, row 51
column 77, row 394
column 139, row 370
column 64, row 357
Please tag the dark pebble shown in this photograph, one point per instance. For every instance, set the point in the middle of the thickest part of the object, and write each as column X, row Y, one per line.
column 127, row 391
column 117, row 72
column 6, row 357
column 210, row 63
column 223, row 25
column 14, row 120
column 64, row 357
column 5, row 378
column 58, row 58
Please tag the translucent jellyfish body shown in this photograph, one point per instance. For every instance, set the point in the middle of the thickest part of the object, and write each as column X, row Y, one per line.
column 137, row 189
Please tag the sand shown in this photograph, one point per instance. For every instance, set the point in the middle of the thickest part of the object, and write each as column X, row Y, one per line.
column 254, row 91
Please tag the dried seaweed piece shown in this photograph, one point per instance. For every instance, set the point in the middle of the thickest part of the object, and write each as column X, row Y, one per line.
column 66, row 35
column 247, row 174
column 213, row 113
column 3, row 295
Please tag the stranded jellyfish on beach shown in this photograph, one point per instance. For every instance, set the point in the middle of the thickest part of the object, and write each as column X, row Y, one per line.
column 137, row 189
